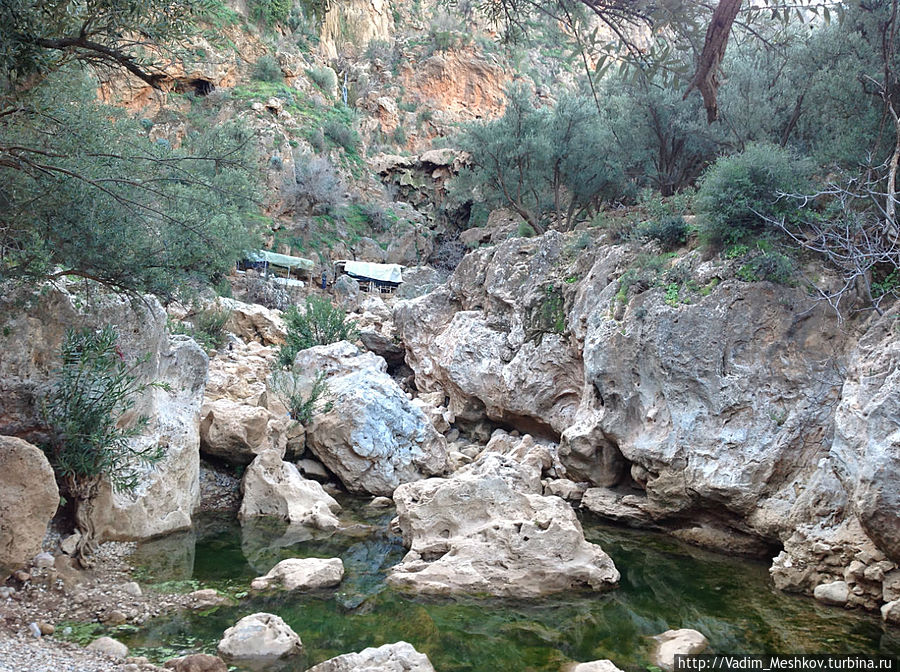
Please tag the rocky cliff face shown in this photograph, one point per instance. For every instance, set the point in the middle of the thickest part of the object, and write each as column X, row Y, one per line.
column 32, row 331
column 747, row 420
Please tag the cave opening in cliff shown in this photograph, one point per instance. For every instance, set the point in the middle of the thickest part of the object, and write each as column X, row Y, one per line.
column 200, row 87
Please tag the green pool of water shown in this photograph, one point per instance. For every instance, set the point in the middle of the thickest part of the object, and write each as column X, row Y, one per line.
column 664, row 585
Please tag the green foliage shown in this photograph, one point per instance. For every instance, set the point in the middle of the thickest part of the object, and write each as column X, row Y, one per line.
column 92, row 391
column 90, row 195
column 525, row 230
column 673, row 291
column 37, row 38
column 320, row 323
column 266, row 69
column 206, row 326
column 660, row 139
column 669, row 231
column 769, row 266
column 548, row 315
column 885, row 281
column 539, row 161
column 739, row 193
column 270, row 12
column 325, row 78
column 342, row 134
column 302, row 407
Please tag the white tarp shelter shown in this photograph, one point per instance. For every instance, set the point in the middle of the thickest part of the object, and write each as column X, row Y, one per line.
column 365, row 270
column 283, row 260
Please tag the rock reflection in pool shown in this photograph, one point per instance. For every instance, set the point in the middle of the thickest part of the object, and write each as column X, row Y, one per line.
column 664, row 585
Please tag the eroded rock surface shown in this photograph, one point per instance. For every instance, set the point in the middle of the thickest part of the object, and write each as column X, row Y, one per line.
column 302, row 574
column 28, row 499
column 399, row 657
column 488, row 530
column 371, row 437
column 746, row 420
column 273, row 487
column 259, row 636
column 168, row 492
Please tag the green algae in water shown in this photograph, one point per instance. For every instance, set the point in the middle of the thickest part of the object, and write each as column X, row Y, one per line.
column 664, row 585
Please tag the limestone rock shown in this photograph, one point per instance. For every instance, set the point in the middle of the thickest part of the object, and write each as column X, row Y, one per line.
column 418, row 281
column 28, row 499
column 253, row 322
column 481, row 531
column 169, row 491
column 259, row 636
column 346, row 289
column 236, row 432
column 674, row 642
column 593, row 666
column 399, row 657
column 196, row 662
column 302, row 574
column 890, row 612
column 207, row 598
column 835, row 593
column 273, row 487
column 109, row 647
column 372, row 438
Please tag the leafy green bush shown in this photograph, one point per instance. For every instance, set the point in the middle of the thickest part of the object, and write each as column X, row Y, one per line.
column 270, row 11
column 302, row 407
column 266, row 69
column 325, row 78
column 207, row 327
column 737, row 194
column 770, row 266
column 92, row 391
column 669, row 231
column 341, row 134
column 320, row 323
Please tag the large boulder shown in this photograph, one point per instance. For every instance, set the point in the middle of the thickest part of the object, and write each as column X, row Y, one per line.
column 370, row 436
column 399, row 657
column 259, row 636
column 242, row 415
column 302, row 574
column 168, row 492
column 253, row 322
column 28, row 500
column 671, row 643
column 237, row 432
column 487, row 531
column 273, row 487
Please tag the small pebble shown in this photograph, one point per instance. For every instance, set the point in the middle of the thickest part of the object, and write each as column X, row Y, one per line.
column 47, row 629
column 35, row 630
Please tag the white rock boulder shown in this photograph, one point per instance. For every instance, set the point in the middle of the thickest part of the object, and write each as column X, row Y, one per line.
column 259, row 636
column 302, row 574
column 273, row 487
column 253, row 322
column 483, row 532
column 28, row 500
column 677, row 642
column 371, row 436
column 109, row 647
column 399, row 657
column 835, row 593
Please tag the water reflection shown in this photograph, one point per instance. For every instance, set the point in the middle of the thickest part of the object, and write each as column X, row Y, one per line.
column 664, row 585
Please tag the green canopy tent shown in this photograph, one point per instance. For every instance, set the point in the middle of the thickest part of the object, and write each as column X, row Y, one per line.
column 275, row 261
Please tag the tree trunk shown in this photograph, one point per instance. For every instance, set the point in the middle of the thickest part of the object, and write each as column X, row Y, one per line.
column 84, row 492
column 706, row 79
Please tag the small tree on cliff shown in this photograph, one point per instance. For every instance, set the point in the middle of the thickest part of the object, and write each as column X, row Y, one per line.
column 90, row 439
